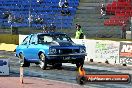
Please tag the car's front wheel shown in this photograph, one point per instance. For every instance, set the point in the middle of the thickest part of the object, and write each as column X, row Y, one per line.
column 42, row 61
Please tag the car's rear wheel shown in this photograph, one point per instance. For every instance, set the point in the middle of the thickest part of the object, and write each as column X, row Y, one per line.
column 23, row 62
column 79, row 63
column 42, row 61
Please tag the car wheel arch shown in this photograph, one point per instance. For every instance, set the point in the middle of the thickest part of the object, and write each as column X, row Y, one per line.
column 40, row 53
column 20, row 53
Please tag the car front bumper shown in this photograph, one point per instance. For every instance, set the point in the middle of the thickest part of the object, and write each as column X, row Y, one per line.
column 65, row 55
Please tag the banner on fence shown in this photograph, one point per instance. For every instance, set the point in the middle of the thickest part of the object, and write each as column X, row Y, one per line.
column 125, row 53
column 107, row 51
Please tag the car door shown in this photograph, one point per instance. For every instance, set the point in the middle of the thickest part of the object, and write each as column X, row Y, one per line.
column 33, row 48
column 23, row 46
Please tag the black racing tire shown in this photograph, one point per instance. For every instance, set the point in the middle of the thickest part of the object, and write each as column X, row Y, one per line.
column 79, row 63
column 23, row 62
column 42, row 61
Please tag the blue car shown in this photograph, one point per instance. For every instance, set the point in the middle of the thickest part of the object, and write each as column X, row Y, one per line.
column 50, row 48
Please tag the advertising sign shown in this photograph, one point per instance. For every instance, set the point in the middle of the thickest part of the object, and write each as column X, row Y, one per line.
column 4, row 67
column 107, row 50
column 125, row 53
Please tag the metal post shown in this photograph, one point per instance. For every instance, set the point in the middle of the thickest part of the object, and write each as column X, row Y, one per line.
column 10, row 21
column 131, row 31
column 131, row 28
column 21, row 75
column 30, row 15
column 11, row 28
column 21, row 61
column 61, row 23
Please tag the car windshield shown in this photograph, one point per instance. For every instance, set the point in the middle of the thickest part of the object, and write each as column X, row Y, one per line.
column 48, row 38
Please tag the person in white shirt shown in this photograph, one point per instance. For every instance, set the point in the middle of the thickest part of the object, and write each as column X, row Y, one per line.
column 61, row 4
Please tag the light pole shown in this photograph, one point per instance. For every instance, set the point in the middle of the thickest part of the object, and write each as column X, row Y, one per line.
column 61, row 22
column 10, row 21
column 30, row 14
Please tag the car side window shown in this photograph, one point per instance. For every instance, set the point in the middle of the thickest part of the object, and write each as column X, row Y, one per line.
column 44, row 39
column 62, row 38
column 33, row 39
column 40, row 39
column 48, row 39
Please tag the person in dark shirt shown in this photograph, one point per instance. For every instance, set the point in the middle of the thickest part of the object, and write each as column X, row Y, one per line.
column 62, row 12
column 68, row 12
column 52, row 28
column 65, row 12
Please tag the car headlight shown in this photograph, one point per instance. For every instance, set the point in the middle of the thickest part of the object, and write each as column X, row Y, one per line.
column 52, row 51
column 82, row 50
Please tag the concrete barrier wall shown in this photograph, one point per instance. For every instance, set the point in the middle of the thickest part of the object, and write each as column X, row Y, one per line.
column 9, row 39
column 106, row 51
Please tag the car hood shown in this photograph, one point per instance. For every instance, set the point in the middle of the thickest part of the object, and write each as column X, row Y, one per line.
column 62, row 43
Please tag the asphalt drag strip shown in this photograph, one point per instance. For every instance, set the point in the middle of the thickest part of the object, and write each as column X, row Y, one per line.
column 66, row 74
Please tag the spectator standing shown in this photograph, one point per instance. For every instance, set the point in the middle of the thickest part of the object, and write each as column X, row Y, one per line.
column 79, row 32
column 123, row 31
